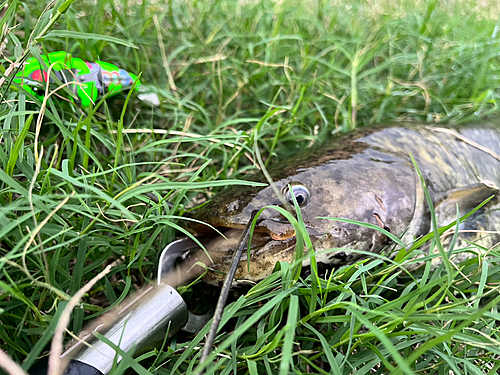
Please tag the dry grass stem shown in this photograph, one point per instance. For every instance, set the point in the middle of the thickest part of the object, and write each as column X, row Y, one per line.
column 10, row 367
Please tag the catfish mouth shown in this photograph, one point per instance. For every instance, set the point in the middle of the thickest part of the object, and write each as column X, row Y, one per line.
column 225, row 245
column 265, row 241
column 278, row 229
column 222, row 239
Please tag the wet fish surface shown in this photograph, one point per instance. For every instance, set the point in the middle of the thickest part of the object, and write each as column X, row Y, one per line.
column 366, row 176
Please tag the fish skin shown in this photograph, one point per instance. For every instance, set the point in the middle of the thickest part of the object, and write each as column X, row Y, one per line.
column 366, row 176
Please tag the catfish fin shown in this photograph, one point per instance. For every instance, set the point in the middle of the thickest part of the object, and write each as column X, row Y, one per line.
column 479, row 234
column 492, row 224
column 467, row 198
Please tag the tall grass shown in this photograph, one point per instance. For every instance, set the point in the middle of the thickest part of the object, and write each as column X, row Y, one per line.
column 82, row 189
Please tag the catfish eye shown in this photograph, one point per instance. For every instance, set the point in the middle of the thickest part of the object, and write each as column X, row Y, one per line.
column 300, row 192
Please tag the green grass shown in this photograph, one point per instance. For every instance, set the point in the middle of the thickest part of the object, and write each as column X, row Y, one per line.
column 78, row 191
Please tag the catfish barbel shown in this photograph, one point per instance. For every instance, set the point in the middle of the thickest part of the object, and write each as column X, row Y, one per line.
column 366, row 176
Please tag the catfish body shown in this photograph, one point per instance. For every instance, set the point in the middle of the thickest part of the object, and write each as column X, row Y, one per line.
column 366, row 176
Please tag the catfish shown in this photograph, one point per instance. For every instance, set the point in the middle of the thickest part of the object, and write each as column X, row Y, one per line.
column 366, row 176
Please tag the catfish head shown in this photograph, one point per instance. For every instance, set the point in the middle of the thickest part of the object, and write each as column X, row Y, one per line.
column 348, row 180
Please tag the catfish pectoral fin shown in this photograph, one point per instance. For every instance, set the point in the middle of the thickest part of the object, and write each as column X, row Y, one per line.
column 467, row 198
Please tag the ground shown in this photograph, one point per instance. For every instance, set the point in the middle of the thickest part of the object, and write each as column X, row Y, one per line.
column 84, row 188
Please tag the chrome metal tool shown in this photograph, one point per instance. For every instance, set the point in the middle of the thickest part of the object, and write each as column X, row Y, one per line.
column 139, row 323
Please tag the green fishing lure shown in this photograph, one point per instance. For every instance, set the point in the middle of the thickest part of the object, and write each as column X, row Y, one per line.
column 87, row 80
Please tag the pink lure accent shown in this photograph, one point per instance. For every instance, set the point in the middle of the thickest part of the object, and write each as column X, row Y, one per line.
column 37, row 76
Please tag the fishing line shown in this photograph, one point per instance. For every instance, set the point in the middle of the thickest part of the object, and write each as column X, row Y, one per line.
column 221, row 303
